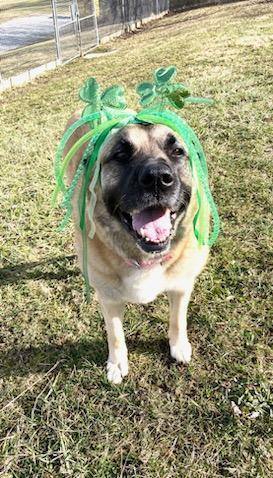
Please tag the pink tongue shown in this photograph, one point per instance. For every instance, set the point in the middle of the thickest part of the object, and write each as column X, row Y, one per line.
column 155, row 224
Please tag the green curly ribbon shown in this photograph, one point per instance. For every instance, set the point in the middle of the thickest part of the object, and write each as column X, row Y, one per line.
column 60, row 186
column 107, row 111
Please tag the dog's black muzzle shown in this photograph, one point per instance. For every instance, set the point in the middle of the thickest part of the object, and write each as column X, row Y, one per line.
column 156, row 176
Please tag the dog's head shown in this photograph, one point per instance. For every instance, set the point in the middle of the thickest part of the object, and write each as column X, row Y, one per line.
column 146, row 184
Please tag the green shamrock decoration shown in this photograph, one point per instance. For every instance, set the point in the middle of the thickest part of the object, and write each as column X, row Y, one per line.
column 147, row 92
column 164, row 75
column 90, row 94
column 111, row 99
column 163, row 92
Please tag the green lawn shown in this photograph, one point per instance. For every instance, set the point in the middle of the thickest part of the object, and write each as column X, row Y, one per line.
column 59, row 416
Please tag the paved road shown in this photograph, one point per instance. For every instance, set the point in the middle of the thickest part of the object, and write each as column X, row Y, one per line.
column 24, row 31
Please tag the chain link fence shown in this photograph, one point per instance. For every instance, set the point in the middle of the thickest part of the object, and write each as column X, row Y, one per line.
column 79, row 34
column 26, row 38
column 116, row 15
column 38, row 36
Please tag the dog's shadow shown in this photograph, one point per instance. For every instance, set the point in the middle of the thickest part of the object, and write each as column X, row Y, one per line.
column 82, row 353
column 22, row 361
column 54, row 268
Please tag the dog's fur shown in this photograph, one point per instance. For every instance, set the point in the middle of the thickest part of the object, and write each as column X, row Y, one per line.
column 113, row 250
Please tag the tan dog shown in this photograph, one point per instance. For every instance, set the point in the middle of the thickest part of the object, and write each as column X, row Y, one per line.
column 144, row 243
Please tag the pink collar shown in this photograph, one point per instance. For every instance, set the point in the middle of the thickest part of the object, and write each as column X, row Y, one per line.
column 148, row 263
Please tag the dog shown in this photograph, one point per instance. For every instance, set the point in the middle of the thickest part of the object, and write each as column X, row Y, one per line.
column 144, row 243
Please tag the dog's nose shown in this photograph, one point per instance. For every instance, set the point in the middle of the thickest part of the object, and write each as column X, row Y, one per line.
column 156, row 175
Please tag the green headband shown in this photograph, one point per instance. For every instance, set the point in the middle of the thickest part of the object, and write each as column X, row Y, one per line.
column 106, row 111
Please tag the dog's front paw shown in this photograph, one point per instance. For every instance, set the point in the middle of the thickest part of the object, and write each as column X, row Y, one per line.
column 116, row 371
column 181, row 351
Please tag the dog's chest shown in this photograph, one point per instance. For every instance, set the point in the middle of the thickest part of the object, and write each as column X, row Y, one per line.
column 142, row 286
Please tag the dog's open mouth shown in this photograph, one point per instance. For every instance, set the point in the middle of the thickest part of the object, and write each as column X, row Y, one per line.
column 152, row 227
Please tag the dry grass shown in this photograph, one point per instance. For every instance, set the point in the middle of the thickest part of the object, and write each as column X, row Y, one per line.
column 59, row 415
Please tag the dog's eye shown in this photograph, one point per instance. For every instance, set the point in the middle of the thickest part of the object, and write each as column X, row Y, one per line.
column 124, row 151
column 121, row 155
column 179, row 152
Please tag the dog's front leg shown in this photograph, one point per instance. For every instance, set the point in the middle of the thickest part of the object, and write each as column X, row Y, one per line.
column 180, row 346
column 117, row 365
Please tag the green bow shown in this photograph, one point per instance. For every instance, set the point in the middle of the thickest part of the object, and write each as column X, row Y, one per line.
column 163, row 92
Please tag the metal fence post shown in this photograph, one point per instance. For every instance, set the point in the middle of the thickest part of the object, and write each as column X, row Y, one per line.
column 123, row 12
column 56, row 30
column 157, row 7
column 78, row 27
column 96, row 23
column 79, row 33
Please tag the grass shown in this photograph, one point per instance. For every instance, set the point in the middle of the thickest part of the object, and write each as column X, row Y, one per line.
column 19, row 60
column 59, row 416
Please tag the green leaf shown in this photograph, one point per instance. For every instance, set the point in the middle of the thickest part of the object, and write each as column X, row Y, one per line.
column 90, row 91
column 147, row 92
column 147, row 99
column 113, row 97
column 144, row 88
column 177, row 96
column 88, row 110
column 183, row 90
column 164, row 75
column 176, row 100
